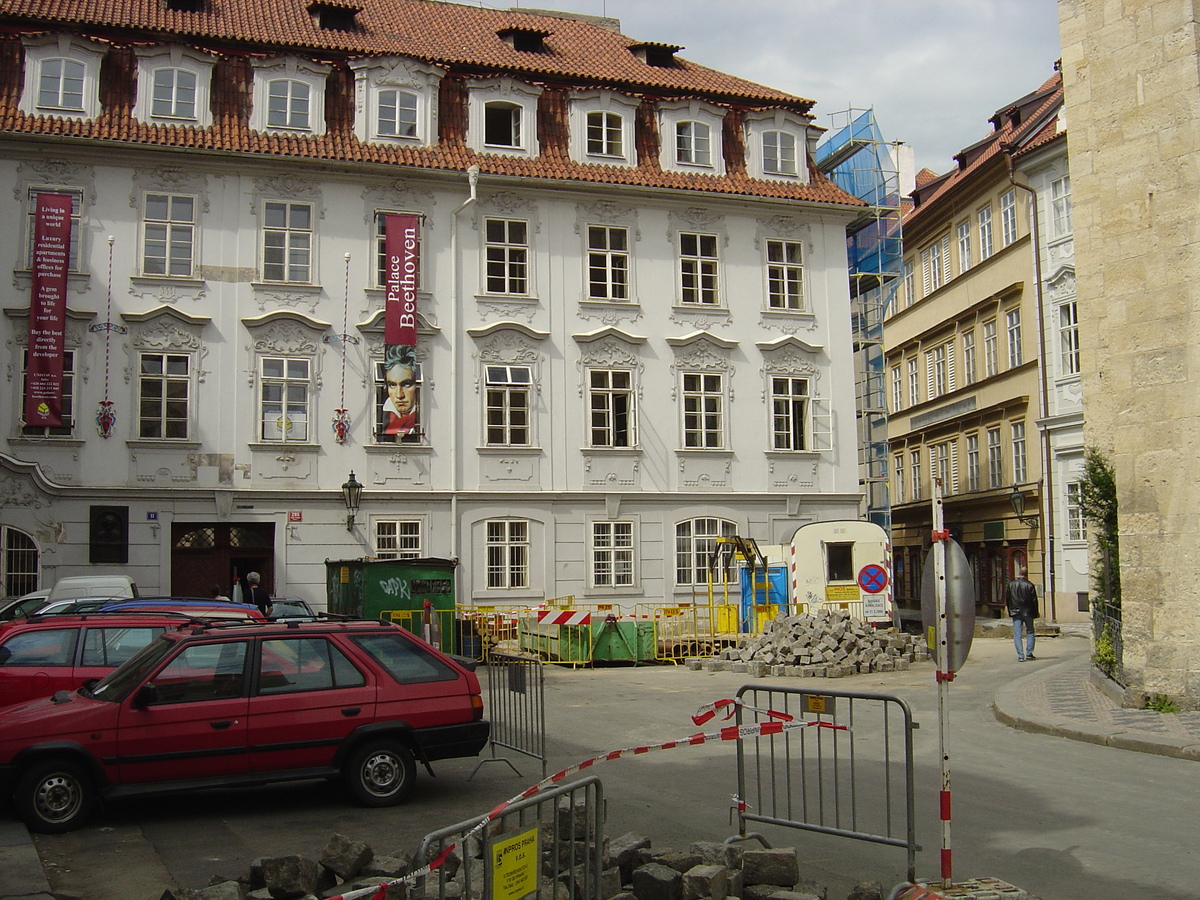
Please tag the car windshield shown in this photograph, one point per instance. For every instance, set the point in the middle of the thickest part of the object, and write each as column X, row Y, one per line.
column 117, row 684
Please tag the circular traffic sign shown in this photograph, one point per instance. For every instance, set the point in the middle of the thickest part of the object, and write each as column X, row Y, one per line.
column 873, row 578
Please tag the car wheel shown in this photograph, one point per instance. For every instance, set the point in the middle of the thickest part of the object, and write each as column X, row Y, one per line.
column 54, row 796
column 381, row 773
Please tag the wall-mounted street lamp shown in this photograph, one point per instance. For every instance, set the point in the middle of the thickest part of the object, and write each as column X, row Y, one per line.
column 351, row 493
column 1017, row 499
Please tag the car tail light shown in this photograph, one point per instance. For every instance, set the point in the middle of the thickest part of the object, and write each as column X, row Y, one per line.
column 476, row 707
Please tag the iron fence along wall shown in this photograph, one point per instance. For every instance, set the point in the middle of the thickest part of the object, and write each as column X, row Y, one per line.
column 516, row 707
column 846, row 770
column 1108, row 643
column 568, row 821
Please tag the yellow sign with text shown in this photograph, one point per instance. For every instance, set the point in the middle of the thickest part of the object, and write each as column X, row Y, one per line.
column 515, row 866
column 840, row 593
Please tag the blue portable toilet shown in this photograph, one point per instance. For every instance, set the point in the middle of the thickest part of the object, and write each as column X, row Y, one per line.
column 776, row 594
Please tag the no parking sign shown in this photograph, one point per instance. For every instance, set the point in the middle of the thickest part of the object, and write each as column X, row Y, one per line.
column 873, row 580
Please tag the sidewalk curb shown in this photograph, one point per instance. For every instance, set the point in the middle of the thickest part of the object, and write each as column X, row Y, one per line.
column 24, row 876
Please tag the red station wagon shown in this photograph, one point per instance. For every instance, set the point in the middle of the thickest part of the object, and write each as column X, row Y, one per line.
column 228, row 703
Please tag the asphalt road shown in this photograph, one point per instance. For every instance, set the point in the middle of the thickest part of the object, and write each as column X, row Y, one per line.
column 1061, row 819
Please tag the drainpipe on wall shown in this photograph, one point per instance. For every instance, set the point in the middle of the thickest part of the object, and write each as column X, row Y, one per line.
column 1047, row 497
column 455, row 305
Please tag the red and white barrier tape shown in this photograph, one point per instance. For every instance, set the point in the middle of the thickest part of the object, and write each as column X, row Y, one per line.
column 782, row 722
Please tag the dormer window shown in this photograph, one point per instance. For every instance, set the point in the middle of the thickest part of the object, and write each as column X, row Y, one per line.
column 604, row 134
column 173, row 86
column 661, row 56
column 692, row 144
column 525, row 40
column 779, row 153
column 395, row 100
column 287, row 104
column 62, row 77
column 501, row 116
column 601, row 128
column 397, row 113
column 334, row 16
column 691, row 137
column 289, row 96
column 174, row 94
column 776, row 143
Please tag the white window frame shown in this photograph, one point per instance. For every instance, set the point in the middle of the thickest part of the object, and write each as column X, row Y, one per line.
column 910, row 283
column 898, row 478
column 399, row 539
column 1060, row 207
column 373, row 76
column 507, row 551
column 785, row 275
column 760, row 129
column 914, row 469
column 67, row 428
column 296, row 239
column 964, row 246
column 1019, row 453
column 791, row 413
column 1068, row 338
column 991, row 359
column 508, row 405
column 507, row 257
column 1008, row 217
column 671, row 114
column 693, row 143
column 151, row 62
column 1076, row 523
column 968, row 354
column 289, row 380
column 175, row 232
column 605, row 134
column 935, row 264
column 695, row 540
column 986, row 239
column 520, row 98
column 699, row 269
column 995, row 459
column 583, row 105
column 313, row 76
column 86, row 56
column 379, row 239
column 703, row 409
column 612, row 408
column 1012, row 328
column 612, row 558
column 175, row 387
column 897, row 389
column 973, row 471
column 608, row 266
column 914, row 382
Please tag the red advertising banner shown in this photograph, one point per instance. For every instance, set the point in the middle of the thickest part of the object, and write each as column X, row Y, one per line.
column 402, row 247
column 48, row 310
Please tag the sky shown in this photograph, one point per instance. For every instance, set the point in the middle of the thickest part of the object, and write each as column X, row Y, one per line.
column 934, row 71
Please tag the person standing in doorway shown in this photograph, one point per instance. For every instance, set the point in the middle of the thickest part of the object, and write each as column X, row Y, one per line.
column 257, row 595
column 1023, row 607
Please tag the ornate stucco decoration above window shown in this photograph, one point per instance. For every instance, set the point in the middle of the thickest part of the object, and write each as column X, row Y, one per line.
column 168, row 330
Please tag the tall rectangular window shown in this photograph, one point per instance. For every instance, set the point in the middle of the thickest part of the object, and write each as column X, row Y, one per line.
column 398, row 539
column 287, row 241
column 608, row 263
column 506, row 250
column 692, row 144
column 910, row 283
column 612, row 554
column 964, row 246
column 1008, row 216
column 509, row 390
column 610, row 398
column 1060, row 207
column 60, row 84
column 397, row 113
column 897, row 390
column 173, row 94
column 75, row 264
column 164, row 395
column 1076, row 524
column 779, row 153
column 68, row 399
column 898, row 479
column 991, row 359
column 785, row 275
column 288, row 104
column 973, row 482
column 995, row 459
column 703, row 411
column 931, row 265
column 914, row 382
column 284, row 387
column 507, row 553
column 968, row 352
column 380, row 243
column 1068, row 337
column 1020, row 461
column 604, row 134
column 1012, row 320
column 985, row 233
column 939, row 370
column 942, row 467
column 914, row 469
column 502, row 124
column 698, row 268
column 789, row 405
column 168, row 232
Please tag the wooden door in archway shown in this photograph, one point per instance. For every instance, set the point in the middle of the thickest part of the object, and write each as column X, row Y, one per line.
column 207, row 554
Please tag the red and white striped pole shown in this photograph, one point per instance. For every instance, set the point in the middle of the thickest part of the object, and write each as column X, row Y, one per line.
column 943, row 673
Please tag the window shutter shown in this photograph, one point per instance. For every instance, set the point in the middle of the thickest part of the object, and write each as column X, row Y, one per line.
column 950, row 365
column 953, row 467
column 930, row 387
column 946, row 259
column 926, row 273
column 822, row 424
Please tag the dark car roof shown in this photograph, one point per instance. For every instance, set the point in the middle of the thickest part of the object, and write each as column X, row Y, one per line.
column 98, row 617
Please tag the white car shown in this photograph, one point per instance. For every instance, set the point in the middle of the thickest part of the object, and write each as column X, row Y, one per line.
column 113, row 587
column 23, row 606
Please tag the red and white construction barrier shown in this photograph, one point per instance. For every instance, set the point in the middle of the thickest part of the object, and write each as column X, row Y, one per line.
column 563, row 617
column 782, row 722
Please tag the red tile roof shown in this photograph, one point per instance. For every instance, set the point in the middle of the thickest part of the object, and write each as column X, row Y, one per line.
column 464, row 40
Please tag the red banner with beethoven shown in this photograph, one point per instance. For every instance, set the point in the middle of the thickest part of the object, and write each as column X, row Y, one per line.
column 399, row 411
column 48, row 310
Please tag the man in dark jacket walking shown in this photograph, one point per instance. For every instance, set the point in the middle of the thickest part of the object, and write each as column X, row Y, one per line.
column 1023, row 607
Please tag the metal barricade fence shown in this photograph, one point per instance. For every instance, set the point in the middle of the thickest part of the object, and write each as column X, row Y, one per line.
column 516, row 707
column 687, row 629
column 566, row 821
column 848, row 772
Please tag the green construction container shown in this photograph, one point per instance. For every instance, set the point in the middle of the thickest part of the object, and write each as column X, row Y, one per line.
column 397, row 590
column 623, row 641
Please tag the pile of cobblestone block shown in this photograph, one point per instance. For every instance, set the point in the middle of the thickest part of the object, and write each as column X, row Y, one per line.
column 829, row 643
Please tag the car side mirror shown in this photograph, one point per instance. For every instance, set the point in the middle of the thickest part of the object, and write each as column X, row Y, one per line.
column 147, row 695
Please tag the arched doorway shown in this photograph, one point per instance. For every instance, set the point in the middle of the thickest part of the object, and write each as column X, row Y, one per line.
column 206, row 554
column 21, row 564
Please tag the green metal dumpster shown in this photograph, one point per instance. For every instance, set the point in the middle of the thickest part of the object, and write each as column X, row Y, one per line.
column 398, row 590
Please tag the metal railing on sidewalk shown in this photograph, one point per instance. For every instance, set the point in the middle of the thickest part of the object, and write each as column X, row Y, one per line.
column 516, row 707
column 847, row 771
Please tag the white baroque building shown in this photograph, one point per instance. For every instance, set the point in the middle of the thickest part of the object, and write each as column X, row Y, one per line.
column 633, row 314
